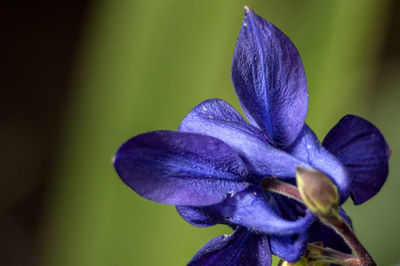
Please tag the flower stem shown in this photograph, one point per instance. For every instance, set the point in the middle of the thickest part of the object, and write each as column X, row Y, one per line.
column 328, row 252
column 342, row 228
column 337, row 223
column 274, row 185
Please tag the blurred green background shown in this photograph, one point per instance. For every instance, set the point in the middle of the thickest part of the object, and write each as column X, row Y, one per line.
column 120, row 68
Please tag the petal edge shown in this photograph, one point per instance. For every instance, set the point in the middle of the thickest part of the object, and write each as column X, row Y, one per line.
column 269, row 79
column 180, row 168
column 361, row 147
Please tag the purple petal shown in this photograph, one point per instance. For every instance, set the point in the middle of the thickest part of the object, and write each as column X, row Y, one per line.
column 242, row 248
column 198, row 216
column 292, row 247
column 249, row 208
column 321, row 232
column 360, row 146
column 308, row 149
column 217, row 118
column 269, row 79
column 180, row 168
column 289, row 248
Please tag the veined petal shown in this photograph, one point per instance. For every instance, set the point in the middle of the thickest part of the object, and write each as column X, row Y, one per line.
column 219, row 119
column 242, row 248
column 249, row 208
column 269, row 79
column 180, row 168
column 361, row 147
column 308, row 149
column 289, row 248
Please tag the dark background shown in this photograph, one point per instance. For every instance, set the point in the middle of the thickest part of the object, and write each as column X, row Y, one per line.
column 39, row 46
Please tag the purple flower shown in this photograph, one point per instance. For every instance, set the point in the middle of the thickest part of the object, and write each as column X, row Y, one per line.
column 213, row 168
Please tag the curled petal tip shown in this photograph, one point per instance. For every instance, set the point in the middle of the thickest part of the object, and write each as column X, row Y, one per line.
column 247, row 9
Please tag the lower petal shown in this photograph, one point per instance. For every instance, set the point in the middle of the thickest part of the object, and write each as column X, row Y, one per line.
column 249, row 208
column 242, row 248
column 289, row 248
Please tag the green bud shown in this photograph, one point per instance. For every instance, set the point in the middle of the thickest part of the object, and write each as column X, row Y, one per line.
column 319, row 193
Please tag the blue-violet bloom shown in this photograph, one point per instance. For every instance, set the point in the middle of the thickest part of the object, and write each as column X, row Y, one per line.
column 213, row 167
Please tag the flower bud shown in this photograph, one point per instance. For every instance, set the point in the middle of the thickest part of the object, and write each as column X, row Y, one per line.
column 319, row 193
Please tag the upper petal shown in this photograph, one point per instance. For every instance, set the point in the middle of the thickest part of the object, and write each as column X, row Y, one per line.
column 242, row 248
column 180, row 168
column 219, row 119
column 249, row 208
column 360, row 146
column 308, row 149
column 269, row 79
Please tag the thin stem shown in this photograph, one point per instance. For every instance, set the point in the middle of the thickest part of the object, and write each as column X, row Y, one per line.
column 344, row 230
column 283, row 188
column 328, row 252
column 319, row 253
column 335, row 222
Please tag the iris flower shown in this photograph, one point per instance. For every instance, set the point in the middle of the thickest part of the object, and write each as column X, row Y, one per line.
column 214, row 166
